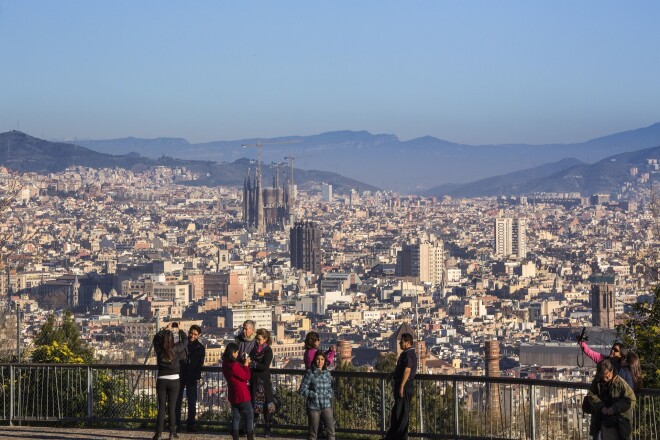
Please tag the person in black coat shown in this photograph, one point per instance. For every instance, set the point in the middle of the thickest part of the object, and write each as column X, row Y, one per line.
column 170, row 348
column 261, row 387
column 191, row 374
column 404, row 375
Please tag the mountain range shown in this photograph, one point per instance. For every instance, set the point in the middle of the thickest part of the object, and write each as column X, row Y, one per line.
column 385, row 161
column 568, row 175
column 24, row 153
column 571, row 173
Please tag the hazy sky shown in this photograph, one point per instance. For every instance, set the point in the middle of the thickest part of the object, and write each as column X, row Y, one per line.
column 465, row 71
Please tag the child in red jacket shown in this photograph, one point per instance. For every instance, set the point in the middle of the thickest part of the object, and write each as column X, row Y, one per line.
column 237, row 375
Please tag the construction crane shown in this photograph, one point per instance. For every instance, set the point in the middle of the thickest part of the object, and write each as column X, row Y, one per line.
column 292, row 191
column 277, row 166
column 259, row 145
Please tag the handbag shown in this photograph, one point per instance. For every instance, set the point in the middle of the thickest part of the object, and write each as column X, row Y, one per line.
column 586, row 405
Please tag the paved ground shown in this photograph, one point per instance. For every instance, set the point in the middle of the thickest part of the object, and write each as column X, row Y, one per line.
column 50, row 433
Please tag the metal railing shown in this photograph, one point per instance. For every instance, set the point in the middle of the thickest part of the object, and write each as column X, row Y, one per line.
column 444, row 407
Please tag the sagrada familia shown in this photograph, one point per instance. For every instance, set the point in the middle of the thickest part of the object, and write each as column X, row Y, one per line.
column 266, row 209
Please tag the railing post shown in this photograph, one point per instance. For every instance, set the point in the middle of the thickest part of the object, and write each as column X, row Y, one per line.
column 12, row 396
column 456, row 419
column 420, row 396
column 532, row 412
column 90, row 393
column 382, row 404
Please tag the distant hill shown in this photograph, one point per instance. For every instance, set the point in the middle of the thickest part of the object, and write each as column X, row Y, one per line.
column 385, row 161
column 505, row 184
column 22, row 152
column 568, row 175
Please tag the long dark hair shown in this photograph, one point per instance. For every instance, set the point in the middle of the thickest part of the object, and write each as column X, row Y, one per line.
column 311, row 339
column 635, row 370
column 228, row 354
column 320, row 355
column 266, row 335
column 166, row 342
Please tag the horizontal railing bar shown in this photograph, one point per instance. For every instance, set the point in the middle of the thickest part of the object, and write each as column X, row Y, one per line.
column 379, row 375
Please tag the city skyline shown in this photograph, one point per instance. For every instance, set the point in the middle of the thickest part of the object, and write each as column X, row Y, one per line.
column 465, row 72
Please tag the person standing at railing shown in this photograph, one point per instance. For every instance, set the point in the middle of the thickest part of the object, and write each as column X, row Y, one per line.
column 404, row 375
column 246, row 342
column 611, row 402
column 190, row 375
column 236, row 370
column 617, row 352
column 245, row 338
column 169, row 354
column 312, row 343
column 631, row 371
column 312, row 346
column 261, row 387
column 316, row 387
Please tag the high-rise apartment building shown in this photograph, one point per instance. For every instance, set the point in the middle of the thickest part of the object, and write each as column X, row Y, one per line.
column 422, row 260
column 326, row 192
column 511, row 237
column 305, row 243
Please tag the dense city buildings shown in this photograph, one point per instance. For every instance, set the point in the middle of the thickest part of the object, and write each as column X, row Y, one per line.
column 128, row 250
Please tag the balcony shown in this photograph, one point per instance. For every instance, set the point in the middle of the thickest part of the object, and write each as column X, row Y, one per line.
column 444, row 407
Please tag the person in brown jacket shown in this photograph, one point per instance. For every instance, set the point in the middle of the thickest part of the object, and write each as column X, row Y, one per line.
column 611, row 401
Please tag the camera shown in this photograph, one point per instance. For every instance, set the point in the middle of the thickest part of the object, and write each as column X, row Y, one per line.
column 242, row 357
column 175, row 325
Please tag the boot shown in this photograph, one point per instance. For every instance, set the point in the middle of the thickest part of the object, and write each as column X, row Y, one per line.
column 235, row 436
column 173, row 435
column 156, row 436
column 268, row 418
column 250, row 435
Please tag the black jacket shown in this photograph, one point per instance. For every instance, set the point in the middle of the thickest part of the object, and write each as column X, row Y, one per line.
column 165, row 367
column 191, row 367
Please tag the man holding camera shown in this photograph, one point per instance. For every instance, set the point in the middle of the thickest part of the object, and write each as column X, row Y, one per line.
column 190, row 375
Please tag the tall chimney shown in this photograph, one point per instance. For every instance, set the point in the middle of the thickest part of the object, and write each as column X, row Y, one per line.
column 492, row 358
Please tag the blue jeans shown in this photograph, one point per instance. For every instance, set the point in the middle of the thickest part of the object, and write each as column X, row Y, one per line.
column 239, row 410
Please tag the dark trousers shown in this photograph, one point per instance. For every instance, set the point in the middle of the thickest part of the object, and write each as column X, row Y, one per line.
column 167, row 391
column 315, row 417
column 400, row 415
column 241, row 411
column 191, row 397
column 268, row 419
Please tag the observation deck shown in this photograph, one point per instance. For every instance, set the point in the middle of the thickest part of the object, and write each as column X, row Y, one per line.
column 50, row 401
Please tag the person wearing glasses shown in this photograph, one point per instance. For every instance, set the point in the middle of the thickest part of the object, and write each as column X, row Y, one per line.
column 617, row 353
column 190, row 376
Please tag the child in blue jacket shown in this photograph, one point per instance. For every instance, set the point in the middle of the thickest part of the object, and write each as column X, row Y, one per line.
column 316, row 387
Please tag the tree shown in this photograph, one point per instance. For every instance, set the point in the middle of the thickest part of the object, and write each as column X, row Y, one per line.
column 641, row 332
column 55, row 353
column 61, row 342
